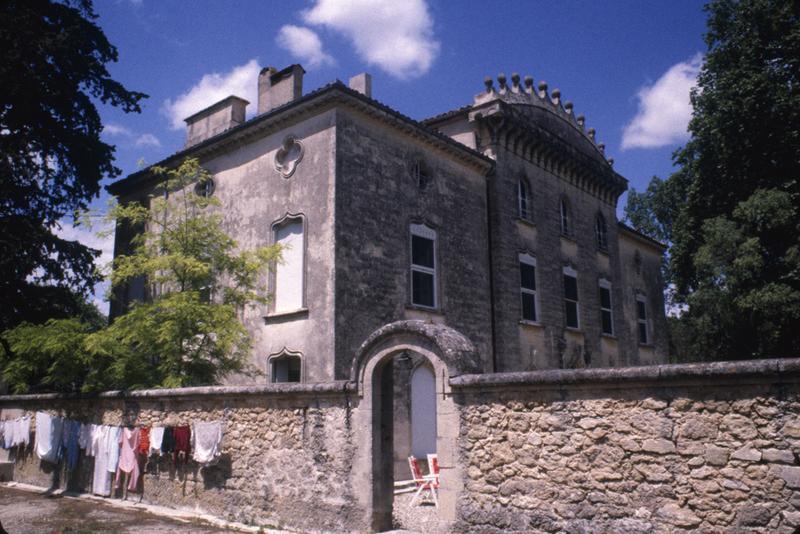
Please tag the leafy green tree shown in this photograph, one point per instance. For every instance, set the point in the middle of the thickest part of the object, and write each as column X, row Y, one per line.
column 732, row 211
column 189, row 331
column 47, row 357
column 53, row 71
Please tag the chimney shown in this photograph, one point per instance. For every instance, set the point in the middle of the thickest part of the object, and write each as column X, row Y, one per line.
column 215, row 119
column 276, row 88
column 361, row 83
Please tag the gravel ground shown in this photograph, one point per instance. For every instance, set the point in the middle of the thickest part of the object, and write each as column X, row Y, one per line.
column 422, row 517
column 24, row 512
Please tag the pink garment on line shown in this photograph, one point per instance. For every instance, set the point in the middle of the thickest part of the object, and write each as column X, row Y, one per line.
column 128, row 462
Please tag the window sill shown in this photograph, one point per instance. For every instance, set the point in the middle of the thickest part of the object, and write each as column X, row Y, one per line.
column 576, row 330
column 647, row 345
column 608, row 336
column 569, row 237
column 418, row 307
column 526, row 222
column 285, row 315
column 527, row 322
column 603, row 251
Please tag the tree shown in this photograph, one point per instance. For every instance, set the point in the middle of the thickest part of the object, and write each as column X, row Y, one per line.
column 733, row 208
column 51, row 156
column 189, row 332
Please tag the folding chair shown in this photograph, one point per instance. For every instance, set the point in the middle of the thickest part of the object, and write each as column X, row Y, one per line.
column 427, row 483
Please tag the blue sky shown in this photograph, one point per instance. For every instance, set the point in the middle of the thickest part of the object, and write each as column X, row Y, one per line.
column 627, row 65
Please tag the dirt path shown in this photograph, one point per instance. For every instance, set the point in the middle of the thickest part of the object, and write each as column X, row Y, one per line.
column 24, row 512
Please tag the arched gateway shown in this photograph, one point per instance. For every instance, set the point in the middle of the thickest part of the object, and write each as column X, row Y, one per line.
column 390, row 355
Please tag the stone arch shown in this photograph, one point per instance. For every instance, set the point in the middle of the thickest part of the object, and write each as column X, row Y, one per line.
column 449, row 353
column 455, row 350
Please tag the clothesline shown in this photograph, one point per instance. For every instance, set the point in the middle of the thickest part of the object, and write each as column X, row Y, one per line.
column 116, row 450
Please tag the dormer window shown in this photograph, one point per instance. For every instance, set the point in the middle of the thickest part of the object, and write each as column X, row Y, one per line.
column 524, row 203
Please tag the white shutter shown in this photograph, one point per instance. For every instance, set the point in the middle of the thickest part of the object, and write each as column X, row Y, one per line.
column 289, row 272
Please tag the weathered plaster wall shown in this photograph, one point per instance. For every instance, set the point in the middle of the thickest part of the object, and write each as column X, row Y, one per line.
column 287, row 450
column 660, row 449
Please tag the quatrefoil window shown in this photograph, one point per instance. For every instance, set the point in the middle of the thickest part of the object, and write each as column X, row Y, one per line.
column 288, row 156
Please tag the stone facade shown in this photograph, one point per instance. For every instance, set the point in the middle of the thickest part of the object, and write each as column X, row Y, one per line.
column 359, row 176
column 670, row 448
column 632, row 452
column 286, row 450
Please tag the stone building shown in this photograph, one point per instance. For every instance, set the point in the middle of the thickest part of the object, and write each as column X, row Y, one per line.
column 495, row 221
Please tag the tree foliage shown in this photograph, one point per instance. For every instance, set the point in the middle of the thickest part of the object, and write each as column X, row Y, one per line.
column 187, row 332
column 732, row 211
column 51, row 157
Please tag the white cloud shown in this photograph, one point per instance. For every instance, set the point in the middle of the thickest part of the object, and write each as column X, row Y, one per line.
column 396, row 36
column 116, row 129
column 99, row 238
column 304, row 44
column 148, row 140
column 664, row 108
column 241, row 81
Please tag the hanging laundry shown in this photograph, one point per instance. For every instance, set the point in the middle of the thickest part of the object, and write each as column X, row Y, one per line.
column 22, row 431
column 128, row 463
column 112, row 445
column 8, row 434
column 183, row 441
column 71, row 434
column 168, row 441
column 144, row 441
column 156, row 438
column 101, row 482
column 85, row 436
column 48, row 437
column 206, row 439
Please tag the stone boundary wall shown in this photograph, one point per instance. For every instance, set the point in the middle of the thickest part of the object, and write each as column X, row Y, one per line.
column 706, row 447
column 287, row 450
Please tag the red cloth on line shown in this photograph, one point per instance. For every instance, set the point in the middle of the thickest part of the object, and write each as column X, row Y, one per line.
column 144, row 441
column 183, row 439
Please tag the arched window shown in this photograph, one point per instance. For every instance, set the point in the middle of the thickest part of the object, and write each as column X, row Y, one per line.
column 285, row 366
column 290, row 271
column 524, row 202
column 566, row 217
column 601, row 232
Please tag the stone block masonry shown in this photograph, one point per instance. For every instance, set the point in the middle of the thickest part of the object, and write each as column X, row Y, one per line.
column 711, row 448
column 285, row 452
column 670, row 448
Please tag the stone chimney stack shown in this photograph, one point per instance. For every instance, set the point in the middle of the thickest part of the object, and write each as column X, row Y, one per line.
column 215, row 119
column 276, row 88
column 361, row 83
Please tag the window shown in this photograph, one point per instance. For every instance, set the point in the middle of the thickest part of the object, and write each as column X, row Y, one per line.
column 205, row 188
column 289, row 272
column 641, row 318
column 524, row 204
column 601, row 232
column 423, row 266
column 606, row 315
column 421, row 175
column 566, row 217
column 527, row 272
column 571, row 297
column 285, row 367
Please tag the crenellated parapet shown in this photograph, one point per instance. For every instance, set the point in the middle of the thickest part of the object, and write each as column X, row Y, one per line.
column 537, row 125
